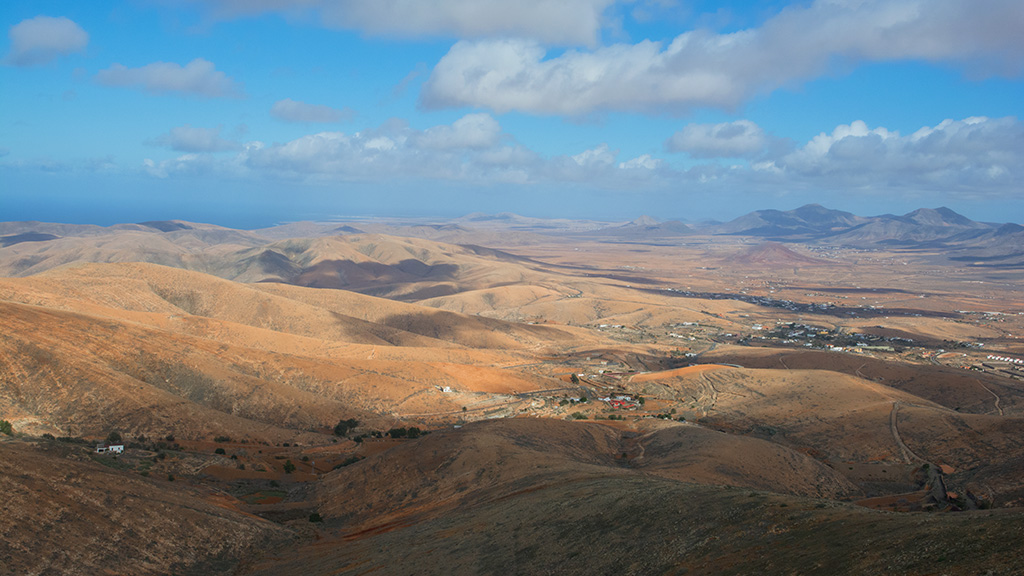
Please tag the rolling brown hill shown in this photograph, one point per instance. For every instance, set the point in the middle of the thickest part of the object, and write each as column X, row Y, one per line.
column 528, row 497
column 402, row 268
column 154, row 350
column 848, row 421
column 234, row 353
column 66, row 516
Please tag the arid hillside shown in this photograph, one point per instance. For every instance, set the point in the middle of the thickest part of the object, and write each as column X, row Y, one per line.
column 331, row 399
column 530, row 497
column 153, row 350
column 63, row 515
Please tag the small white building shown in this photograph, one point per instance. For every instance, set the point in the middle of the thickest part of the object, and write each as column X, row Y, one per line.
column 110, row 448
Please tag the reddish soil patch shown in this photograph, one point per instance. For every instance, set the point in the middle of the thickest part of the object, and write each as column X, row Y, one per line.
column 687, row 371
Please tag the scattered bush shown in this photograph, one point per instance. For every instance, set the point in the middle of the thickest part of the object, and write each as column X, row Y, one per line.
column 305, row 458
column 349, row 461
column 288, row 467
column 6, row 428
column 315, row 517
column 48, row 436
column 578, row 416
column 114, row 437
column 344, row 426
column 219, row 451
column 170, row 477
column 222, row 439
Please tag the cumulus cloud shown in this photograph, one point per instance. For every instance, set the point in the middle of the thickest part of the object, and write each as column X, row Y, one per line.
column 42, row 39
column 199, row 77
column 954, row 159
column 978, row 155
column 600, row 156
column 468, row 149
column 705, row 69
column 561, row 22
column 470, row 131
column 294, row 111
column 642, row 162
column 189, row 138
column 739, row 139
column 472, row 149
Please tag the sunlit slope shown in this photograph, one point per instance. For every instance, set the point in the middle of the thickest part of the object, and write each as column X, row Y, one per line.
column 324, row 314
column 845, row 419
column 151, row 349
column 395, row 267
column 183, row 245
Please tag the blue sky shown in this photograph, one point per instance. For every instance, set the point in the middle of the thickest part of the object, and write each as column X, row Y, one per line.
column 246, row 113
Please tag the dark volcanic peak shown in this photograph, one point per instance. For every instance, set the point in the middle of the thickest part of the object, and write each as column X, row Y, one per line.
column 646, row 228
column 1008, row 229
column 808, row 221
column 644, row 221
column 821, row 216
column 941, row 217
column 166, row 225
column 922, row 228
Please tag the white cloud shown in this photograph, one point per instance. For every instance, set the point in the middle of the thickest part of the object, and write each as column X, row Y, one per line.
column 199, row 77
column 739, row 139
column 42, row 39
column 189, row 138
column 470, row 131
column 472, row 149
column 978, row 155
column 706, row 69
column 562, row 22
column 600, row 156
column 643, row 162
column 294, row 111
column 949, row 161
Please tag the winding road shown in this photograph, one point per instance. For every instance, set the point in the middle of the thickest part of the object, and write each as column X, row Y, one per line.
column 994, row 395
column 908, row 454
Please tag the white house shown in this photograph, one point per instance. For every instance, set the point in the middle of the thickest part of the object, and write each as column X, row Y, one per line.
column 110, row 448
